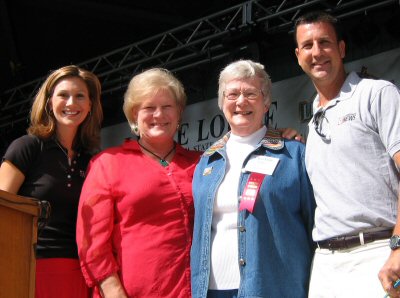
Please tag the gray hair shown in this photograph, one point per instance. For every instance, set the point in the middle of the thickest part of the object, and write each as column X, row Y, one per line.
column 244, row 69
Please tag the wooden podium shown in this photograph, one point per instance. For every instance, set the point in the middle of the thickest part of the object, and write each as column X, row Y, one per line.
column 18, row 228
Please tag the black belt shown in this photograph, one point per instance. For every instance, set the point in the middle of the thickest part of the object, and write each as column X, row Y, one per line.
column 350, row 241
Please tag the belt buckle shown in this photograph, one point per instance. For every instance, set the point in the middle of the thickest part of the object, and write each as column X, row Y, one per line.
column 334, row 244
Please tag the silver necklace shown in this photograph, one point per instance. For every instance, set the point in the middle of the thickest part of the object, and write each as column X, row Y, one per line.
column 65, row 152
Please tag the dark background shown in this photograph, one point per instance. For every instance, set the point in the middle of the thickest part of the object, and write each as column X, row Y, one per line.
column 41, row 35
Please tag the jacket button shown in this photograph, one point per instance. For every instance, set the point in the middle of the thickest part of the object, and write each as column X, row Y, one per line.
column 242, row 262
column 242, row 229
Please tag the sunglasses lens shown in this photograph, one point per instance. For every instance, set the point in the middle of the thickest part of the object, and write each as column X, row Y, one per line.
column 321, row 124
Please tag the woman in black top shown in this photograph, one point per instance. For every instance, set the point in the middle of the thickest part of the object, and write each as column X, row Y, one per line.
column 49, row 164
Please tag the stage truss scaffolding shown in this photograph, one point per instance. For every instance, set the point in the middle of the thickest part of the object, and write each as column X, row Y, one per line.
column 184, row 47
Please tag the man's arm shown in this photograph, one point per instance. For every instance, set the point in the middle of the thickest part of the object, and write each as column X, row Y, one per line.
column 390, row 272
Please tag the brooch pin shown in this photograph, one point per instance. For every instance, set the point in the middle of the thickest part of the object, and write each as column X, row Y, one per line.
column 207, row 171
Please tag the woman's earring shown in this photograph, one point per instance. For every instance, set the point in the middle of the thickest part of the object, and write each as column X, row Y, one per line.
column 49, row 112
column 135, row 129
column 47, row 109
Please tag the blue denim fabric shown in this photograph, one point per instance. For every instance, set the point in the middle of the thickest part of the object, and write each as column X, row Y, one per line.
column 275, row 243
column 222, row 293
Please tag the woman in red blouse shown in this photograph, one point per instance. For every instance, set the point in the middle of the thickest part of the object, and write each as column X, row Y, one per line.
column 135, row 216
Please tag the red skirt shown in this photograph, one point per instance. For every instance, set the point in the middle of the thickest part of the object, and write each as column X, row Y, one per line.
column 61, row 278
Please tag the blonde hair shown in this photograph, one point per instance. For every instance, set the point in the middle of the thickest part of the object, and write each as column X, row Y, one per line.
column 244, row 69
column 43, row 123
column 149, row 83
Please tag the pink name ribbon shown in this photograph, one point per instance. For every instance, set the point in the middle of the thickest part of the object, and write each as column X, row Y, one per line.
column 250, row 192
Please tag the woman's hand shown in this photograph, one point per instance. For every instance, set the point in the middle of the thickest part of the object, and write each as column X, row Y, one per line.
column 111, row 287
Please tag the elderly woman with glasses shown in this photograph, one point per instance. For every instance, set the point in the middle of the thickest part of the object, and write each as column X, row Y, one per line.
column 254, row 205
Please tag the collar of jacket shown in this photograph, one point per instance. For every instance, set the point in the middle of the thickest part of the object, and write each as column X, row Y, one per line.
column 272, row 140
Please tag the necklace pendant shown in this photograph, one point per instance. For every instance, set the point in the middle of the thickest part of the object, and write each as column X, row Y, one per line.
column 163, row 162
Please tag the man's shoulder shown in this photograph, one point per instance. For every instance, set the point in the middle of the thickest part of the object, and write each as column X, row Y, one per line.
column 373, row 83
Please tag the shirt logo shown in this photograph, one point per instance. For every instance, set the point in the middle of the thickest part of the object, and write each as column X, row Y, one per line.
column 348, row 117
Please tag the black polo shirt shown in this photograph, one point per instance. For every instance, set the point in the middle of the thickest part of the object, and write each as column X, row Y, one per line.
column 50, row 177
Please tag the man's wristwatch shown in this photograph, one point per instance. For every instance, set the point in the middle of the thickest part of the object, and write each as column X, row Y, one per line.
column 394, row 242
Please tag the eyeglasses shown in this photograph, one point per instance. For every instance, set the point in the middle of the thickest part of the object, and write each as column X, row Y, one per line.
column 321, row 125
column 234, row 94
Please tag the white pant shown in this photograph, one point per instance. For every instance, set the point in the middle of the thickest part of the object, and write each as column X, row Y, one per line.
column 349, row 273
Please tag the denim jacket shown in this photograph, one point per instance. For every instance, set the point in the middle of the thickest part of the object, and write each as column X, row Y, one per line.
column 275, row 243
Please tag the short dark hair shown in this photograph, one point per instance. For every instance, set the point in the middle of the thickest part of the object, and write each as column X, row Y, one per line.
column 316, row 17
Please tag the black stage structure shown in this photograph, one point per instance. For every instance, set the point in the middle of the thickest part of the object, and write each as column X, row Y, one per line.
column 196, row 51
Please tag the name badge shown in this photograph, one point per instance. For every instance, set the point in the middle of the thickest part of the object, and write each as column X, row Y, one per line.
column 262, row 164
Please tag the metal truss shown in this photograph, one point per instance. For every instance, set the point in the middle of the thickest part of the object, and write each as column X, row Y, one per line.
column 186, row 46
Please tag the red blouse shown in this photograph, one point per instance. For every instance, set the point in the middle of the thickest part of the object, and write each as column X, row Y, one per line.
column 135, row 218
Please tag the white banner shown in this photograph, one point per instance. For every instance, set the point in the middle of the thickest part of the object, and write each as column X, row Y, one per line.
column 203, row 123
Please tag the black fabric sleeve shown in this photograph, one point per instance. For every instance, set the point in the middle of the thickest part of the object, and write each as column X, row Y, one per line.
column 23, row 152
